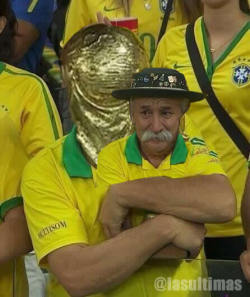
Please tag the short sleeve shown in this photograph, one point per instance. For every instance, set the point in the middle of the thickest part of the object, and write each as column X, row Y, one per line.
column 52, row 214
column 40, row 122
column 12, row 162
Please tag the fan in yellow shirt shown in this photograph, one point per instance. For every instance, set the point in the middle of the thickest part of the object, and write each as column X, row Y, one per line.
column 224, row 49
column 63, row 206
column 150, row 13
column 26, row 101
column 14, row 233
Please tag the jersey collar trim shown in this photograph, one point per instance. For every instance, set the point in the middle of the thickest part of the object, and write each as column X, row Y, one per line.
column 133, row 155
column 236, row 39
column 74, row 161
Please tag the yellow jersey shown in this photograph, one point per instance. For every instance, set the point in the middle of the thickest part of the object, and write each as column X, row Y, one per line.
column 27, row 100
column 122, row 161
column 82, row 13
column 13, row 280
column 230, row 79
column 62, row 208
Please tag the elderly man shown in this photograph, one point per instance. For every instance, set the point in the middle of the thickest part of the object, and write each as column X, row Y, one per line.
column 62, row 208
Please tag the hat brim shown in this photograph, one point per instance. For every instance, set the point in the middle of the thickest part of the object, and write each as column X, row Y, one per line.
column 156, row 93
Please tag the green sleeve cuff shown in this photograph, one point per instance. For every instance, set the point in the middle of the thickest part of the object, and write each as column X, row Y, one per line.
column 8, row 205
column 248, row 164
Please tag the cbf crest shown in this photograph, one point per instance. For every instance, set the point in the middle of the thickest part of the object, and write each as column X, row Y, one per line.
column 241, row 72
column 163, row 5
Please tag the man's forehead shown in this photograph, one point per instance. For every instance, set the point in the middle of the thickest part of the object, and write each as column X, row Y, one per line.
column 156, row 101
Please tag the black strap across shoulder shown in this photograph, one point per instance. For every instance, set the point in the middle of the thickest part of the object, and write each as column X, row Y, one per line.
column 223, row 117
column 165, row 19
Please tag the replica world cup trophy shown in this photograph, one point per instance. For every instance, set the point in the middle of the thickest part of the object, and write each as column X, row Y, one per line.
column 97, row 60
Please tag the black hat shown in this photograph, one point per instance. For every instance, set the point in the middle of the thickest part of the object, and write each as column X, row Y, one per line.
column 158, row 83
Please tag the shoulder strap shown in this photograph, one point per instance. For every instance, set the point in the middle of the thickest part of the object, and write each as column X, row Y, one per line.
column 205, row 85
column 165, row 19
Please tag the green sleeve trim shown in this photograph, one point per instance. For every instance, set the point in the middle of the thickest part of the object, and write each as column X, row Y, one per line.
column 46, row 97
column 8, row 205
column 248, row 164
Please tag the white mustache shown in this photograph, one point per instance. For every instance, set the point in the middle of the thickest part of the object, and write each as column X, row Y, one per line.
column 164, row 135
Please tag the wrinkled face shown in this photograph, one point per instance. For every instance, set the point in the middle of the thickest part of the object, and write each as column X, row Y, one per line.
column 156, row 123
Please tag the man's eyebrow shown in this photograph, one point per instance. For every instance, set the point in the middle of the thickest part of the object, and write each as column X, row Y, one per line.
column 145, row 106
column 166, row 107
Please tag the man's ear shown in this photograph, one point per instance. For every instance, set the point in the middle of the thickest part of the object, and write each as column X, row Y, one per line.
column 3, row 22
column 182, row 124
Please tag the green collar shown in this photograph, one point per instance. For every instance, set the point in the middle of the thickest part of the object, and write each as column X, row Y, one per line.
column 2, row 67
column 73, row 159
column 211, row 66
column 134, row 156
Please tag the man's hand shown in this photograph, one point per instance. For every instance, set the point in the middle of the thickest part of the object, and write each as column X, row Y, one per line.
column 188, row 239
column 112, row 214
column 189, row 236
column 245, row 264
column 101, row 19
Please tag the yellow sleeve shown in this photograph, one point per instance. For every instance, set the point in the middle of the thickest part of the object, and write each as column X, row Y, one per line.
column 77, row 17
column 40, row 120
column 109, row 168
column 52, row 214
column 12, row 161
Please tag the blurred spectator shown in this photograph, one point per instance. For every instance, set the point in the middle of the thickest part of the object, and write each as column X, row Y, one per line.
column 33, row 18
column 149, row 13
column 222, row 37
column 26, row 100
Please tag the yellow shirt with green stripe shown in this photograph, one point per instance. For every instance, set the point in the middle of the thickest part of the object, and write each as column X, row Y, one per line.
column 82, row 13
column 12, row 161
column 230, row 79
column 62, row 208
column 28, row 102
column 122, row 161
column 25, row 98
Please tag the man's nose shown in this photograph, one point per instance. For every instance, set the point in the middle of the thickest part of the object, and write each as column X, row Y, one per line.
column 156, row 124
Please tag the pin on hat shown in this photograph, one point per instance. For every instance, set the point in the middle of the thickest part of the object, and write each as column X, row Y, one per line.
column 158, row 83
